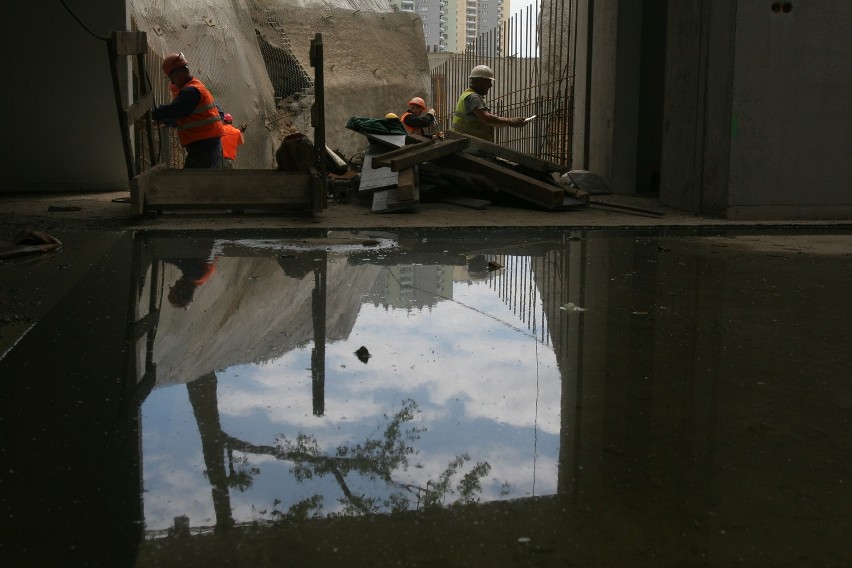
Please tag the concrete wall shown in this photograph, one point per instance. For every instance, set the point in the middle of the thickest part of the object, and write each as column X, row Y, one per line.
column 60, row 114
column 696, row 121
column 607, row 90
column 791, row 134
column 757, row 110
column 374, row 64
column 739, row 111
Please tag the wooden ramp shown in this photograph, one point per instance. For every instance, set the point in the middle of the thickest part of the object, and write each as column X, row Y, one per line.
column 163, row 189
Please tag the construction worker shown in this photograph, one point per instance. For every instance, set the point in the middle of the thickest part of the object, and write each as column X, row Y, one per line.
column 194, row 113
column 195, row 272
column 417, row 118
column 232, row 138
column 472, row 116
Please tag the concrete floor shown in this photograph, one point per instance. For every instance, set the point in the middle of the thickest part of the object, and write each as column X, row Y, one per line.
column 795, row 421
column 61, row 212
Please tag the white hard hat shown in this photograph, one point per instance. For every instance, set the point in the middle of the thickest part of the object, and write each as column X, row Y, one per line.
column 482, row 72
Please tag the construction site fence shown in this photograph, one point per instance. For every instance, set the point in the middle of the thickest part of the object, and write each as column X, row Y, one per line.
column 529, row 56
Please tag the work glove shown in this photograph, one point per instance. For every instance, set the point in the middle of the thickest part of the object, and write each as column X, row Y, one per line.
column 431, row 112
column 517, row 122
column 243, row 127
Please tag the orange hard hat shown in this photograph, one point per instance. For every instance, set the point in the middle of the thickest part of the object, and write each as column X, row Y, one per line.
column 228, row 118
column 174, row 61
column 418, row 101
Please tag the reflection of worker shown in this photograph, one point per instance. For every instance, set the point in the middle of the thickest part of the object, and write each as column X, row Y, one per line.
column 193, row 111
column 194, row 273
column 231, row 138
column 417, row 117
column 472, row 116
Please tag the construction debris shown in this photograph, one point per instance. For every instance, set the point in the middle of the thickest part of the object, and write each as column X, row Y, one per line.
column 29, row 242
column 397, row 167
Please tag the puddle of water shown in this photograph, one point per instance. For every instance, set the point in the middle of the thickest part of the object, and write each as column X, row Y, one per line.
column 427, row 396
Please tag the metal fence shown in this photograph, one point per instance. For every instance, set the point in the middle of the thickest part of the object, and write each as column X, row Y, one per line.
column 527, row 83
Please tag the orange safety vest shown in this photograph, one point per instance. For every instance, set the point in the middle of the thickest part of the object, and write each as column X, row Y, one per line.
column 209, row 269
column 232, row 138
column 410, row 129
column 204, row 122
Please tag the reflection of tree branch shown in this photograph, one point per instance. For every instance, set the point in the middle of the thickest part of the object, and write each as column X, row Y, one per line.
column 341, row 481
column 328, row 463
column 376, row 459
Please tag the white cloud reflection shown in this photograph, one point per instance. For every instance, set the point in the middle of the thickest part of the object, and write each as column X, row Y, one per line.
column 483, row 384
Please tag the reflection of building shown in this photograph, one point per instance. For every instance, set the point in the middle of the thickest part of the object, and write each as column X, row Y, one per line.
column 409, row 286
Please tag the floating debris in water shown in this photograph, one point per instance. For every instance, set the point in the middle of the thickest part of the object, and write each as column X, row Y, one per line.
column 363, row 355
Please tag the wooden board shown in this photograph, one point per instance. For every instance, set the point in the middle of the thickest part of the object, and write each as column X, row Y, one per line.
column 488, row 149
column 414, row 154
column 396, row 140
column 168, row 188
column 468, row 202
column 406, row 184
column 387, row 200
column 519, row 185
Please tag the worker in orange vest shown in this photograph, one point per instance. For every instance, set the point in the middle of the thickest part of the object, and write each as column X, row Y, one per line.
column 417, row 119
column 195, row 272
column 232, row 138
column 194, row 113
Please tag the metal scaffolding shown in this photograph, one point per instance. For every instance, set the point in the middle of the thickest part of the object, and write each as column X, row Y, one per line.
column 530, row 58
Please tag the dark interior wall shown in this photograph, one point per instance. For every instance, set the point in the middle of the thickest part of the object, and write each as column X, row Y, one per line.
column 652, row 73
column 58, row 97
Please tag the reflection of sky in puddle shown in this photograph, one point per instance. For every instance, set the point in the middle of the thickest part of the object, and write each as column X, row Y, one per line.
column 484, row 387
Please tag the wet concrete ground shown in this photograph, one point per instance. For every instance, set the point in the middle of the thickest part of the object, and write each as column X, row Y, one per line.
column 642, row 397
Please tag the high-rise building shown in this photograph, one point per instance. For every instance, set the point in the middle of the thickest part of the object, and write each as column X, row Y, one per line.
column 452, row 25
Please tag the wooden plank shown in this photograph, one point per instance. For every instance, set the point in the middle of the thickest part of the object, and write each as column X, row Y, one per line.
column 469, row 202
column 397, row 140
column 387, row 200
column 414, row 154
column 138, row 109
column 440, row 175
column 319, row 192
column 130, row 43
column 140, row 187
column 406, row 183
column 485, row 148
column 519, row 185
column 199, row 189
column 386, row 156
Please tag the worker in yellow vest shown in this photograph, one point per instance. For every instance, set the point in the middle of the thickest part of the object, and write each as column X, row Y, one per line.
column 232, row 138
column 472, row 115
column 194, row 113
